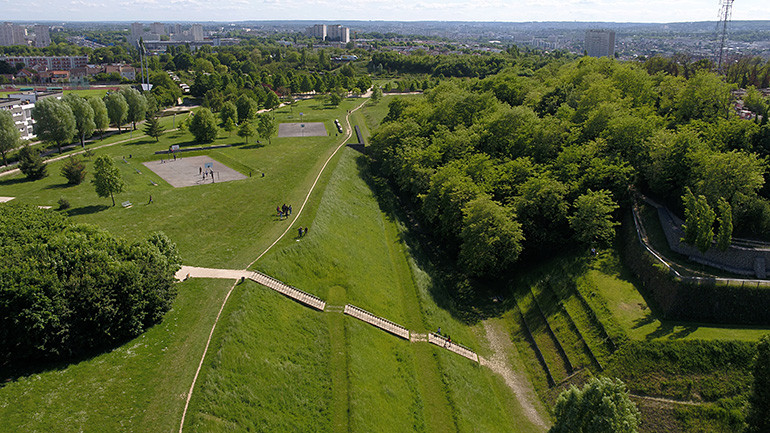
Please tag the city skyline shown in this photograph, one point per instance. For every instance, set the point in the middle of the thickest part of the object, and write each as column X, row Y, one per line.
column 652, row 11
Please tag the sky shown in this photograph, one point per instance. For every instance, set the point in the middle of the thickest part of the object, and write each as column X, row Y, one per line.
column 387, row 10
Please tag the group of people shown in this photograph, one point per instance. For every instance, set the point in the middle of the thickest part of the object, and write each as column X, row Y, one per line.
column 283, row 211
column 206, row 173
column 302, row 232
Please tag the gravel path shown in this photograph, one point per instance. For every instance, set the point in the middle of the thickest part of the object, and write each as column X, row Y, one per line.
column 500, row 343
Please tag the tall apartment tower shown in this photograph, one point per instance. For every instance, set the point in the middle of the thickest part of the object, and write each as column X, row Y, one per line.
column 317, row 31
column 42, row 37
column 600, row 43
column 158, row 29
column 137, row 30
column 11, row 34
column 338, row 33
column 197, row 32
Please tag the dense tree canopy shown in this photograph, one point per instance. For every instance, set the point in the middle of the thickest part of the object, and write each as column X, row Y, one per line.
column 564, row 144
column 68, row 288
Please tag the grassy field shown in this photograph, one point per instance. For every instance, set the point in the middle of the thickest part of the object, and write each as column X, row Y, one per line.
column 219, row 225
column 139, row 386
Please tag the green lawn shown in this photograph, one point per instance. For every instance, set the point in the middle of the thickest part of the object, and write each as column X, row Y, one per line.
column 139, row 386
column 218, row 225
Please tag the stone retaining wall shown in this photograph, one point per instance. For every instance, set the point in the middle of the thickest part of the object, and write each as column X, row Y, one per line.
column 738, row 260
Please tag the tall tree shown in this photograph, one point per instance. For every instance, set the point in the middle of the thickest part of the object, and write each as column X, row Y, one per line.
column 271, row 100
column 491, row 238
column 229, row 126
column 204, row 126
column 592, row 219
column 117, row 108
column 603, row 405
column 247, row 108
column 9, row 134
column 137, row 105
column 54, row 121
column 84, row 116
column 101, row 119
column 725, row 224
column 759, row 412
column 266, row 126
column 107, row 179
column 246, row 130
column 228, row 111
column 31, row 163
column 153, row 128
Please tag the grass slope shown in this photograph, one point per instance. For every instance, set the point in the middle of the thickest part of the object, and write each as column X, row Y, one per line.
column 139, row 386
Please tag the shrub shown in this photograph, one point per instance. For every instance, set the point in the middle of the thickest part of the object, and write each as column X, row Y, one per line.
column 74, row 170
column 31, row 163
column 63, row 203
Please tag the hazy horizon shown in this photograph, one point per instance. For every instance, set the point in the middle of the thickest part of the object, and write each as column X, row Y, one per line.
column 621, row 11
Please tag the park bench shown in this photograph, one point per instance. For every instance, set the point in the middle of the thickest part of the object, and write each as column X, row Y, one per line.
column 127, row 204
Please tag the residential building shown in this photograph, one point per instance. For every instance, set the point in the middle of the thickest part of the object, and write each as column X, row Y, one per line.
column 12, row 34
column 600, row 43
column 59, row 63
column 137, row 31
column 338, row 33
column 317, row 31
column 158, row 28
column 21, row 105
column 42, row 36
column 22, row 115
column 196, row 32
column 125, row 71
column 55, row 76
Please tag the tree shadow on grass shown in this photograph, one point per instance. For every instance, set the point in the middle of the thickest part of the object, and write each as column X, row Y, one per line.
column 466, row 300
column 87, row 210
column 59, row 186
column 15, row 181
column 252, row 146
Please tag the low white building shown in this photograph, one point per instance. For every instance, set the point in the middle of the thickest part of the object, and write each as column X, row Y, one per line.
column 22, row 115
column 21, row 105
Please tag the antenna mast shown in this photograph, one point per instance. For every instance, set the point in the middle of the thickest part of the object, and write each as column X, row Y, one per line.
column 725, row 12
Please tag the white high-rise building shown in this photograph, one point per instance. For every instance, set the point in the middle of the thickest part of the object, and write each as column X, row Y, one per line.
column 338, row 33
column 137, row 30
column 158, row 28
column 600, row 43
column 317, row 31
column 196, row 32
column 11, row 34
column 42, row 36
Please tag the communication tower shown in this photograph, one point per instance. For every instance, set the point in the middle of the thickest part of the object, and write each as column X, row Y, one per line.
column 725, row 12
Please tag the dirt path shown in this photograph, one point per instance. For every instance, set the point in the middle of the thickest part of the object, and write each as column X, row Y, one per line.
column 312, row 187
column 500, row 343
column 666, row 400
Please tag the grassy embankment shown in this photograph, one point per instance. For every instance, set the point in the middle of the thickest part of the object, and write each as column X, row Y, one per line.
column 372, row 381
